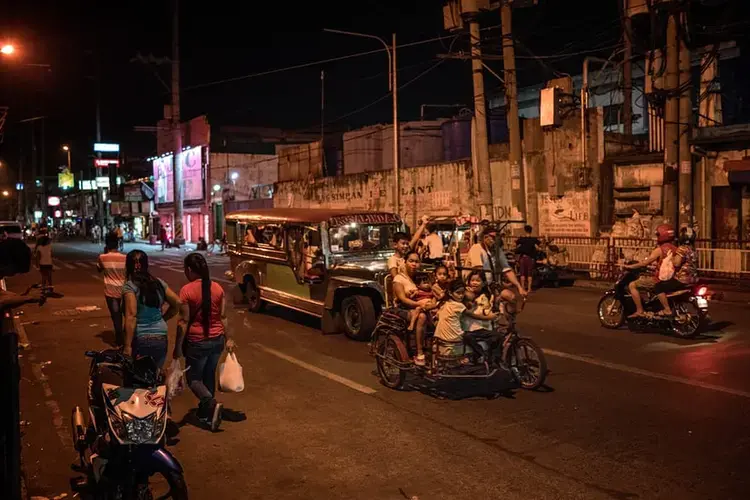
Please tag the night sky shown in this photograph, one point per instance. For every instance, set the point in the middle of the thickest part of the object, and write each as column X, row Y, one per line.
column 220, row 40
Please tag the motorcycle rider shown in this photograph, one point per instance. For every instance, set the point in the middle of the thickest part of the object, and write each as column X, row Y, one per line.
column 685, row 263
column 646, row 282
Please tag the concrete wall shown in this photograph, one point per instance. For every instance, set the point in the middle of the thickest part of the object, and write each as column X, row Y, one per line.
column 299, row 161
column 256, row 175
column 441, row 189
column 555, row 202
column 370, row 149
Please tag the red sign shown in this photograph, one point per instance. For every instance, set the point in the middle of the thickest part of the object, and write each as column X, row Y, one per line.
column 102, row 162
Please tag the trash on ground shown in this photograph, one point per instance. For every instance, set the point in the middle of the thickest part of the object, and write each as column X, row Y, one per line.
column 87, row 308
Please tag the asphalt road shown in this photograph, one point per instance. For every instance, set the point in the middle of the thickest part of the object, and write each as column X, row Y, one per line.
column 624, row 415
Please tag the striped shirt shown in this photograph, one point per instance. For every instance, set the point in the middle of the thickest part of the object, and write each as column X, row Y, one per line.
column 112, row 265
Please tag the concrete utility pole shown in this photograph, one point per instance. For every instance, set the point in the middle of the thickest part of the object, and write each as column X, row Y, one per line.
column 176, row 129
column 627, row 71
column 101, row 209
column 511, row 111
column 671, row 125
column 396, row 126
column 481, row 152
column 684, row 118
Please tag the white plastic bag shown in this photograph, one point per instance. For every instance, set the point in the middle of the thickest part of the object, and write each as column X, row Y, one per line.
column 230, row 375
column 176, row 382
column 666, row 270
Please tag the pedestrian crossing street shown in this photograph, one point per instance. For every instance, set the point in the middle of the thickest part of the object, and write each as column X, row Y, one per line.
column 173, row 262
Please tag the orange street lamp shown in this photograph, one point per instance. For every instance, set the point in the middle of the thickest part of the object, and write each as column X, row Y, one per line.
column 6, row 193
column 7, row 49
column 66, row 148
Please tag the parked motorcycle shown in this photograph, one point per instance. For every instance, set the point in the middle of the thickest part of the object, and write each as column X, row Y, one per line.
column 121, row 448
column 690, row 307
column 394, row 347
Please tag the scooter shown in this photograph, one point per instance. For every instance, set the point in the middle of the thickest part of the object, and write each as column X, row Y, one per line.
column 122, row 445
column 690, row 307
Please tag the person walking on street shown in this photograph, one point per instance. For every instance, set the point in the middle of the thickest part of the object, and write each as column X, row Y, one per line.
column 527, row 249
column 202, row 335
column 120, row 237
column 43, row 256
column 112, row 265
column 145, row 323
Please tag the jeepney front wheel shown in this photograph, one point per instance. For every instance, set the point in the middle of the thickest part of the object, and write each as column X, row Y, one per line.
column 358, row 317
column 254, row 303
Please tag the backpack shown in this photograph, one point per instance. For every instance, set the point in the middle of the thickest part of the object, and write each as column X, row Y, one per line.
column 666, row 270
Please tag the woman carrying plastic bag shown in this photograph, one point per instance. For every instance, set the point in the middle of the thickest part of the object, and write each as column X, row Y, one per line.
column 202, row 335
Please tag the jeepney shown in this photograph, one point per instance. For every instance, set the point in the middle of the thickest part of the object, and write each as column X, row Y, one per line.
column 327, row 263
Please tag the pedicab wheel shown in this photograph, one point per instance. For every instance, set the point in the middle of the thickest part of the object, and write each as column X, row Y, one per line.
column 391, row 348
column 527, row 364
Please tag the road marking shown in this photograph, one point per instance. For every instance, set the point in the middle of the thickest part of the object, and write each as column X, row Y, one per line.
column 323, row 373
column 97, row 277
column 647, row 373
column 65, row 264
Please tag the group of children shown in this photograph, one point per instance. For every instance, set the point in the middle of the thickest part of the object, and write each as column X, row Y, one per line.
column 460, row 310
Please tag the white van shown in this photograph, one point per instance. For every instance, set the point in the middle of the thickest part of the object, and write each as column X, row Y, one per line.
column 12, row 229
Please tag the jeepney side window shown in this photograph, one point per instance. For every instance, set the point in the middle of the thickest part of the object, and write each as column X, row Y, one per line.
column 247, row 235
column 294, row 237
column 231, row 232
column 271, row 235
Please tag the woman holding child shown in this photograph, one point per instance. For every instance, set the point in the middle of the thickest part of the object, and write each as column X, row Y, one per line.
column 413, row 302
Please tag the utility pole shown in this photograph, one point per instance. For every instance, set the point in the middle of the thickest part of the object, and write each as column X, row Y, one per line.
column 684, row 118
column 176, row 128
column 396, row 127
column 511, row 111
column 671, row 125
column 99, row 190
column 322, row 121
column 627, row 70
column 481, row 151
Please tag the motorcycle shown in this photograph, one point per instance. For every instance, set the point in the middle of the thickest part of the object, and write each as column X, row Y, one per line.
column 121, row 447
column 394, row 347
column 690, row 307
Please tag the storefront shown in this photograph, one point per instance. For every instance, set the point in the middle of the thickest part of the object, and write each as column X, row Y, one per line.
column 196, row 214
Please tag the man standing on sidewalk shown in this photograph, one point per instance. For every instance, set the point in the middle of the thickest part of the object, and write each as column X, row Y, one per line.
column 112, row 264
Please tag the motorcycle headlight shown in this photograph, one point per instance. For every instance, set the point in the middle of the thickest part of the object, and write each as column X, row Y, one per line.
column 136, row 430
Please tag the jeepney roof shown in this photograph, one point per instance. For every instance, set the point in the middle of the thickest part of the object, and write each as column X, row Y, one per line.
column 313, row 215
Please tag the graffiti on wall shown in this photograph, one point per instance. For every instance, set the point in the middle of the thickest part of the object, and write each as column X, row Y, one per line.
column 568, row 215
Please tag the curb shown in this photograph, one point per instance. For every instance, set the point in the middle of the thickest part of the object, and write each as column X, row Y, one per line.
column 23, row 345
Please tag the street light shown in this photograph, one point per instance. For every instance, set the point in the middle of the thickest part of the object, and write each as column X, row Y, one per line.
column 66, row 148
column 6, row 193
column 7, row 49
column 393, row 87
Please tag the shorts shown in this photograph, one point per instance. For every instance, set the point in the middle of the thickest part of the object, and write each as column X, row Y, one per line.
column 645, row 282
column 525, row 266
column 45, row 267
column 669, row 286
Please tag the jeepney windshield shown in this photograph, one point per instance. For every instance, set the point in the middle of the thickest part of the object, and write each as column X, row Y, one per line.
column 362, row 238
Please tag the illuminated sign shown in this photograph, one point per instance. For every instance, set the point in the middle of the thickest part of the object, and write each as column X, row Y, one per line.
column 102, row 182
column 53, row 201
column 87, row 185
column 66, row 180
column 58, row 214
column 103, row 162
column 192, row 176
column 103, row 147
column 378, row 218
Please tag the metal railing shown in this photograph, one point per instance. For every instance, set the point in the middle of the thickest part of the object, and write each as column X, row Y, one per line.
column 601, row 257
